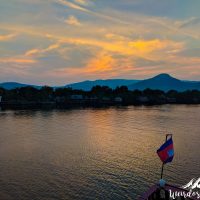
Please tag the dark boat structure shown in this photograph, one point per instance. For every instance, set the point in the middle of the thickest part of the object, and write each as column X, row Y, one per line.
column 157, row 192
column 163, row 191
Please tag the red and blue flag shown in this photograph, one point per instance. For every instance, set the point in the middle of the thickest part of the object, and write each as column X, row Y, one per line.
column 166, row 151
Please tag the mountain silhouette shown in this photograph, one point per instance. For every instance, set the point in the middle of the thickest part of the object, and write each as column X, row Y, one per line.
column 112, row 83
column 165, row 82
column 14, row 85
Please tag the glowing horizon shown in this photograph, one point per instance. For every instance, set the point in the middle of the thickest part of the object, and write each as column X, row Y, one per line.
column 56, row 42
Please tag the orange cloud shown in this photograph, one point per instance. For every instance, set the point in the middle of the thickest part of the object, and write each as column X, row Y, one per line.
column 72, row 20
column 125, row 52
column 33, row 52
column 7, row 37
column 146, row 46
column 83, row 2
column 17, row 60
column 72, row 5
column 101, row 63
column 110, row 43
column 138, row 48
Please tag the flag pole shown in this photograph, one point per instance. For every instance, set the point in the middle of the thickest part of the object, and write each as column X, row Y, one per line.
column 163, row 164
column 162, row 171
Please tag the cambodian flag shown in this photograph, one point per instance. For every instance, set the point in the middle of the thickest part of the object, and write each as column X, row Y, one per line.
column 166, row 151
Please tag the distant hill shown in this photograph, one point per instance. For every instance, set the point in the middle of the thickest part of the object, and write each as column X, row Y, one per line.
column 84, row 85
column 165, row 82
column 14, row 85
column 112, row 83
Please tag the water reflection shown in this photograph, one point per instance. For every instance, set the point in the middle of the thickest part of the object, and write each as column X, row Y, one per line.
column 94, row 153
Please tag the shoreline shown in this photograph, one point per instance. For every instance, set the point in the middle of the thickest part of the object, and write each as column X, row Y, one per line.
column 54, row 105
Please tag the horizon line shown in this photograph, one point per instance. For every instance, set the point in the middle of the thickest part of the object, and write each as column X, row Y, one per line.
column 65, row 84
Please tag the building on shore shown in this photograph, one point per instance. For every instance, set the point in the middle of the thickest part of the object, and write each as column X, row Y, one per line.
column 143, row 99
column 118, row 100
column 76, row 97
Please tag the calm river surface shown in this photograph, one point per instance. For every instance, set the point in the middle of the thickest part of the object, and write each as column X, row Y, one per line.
column 94, row 153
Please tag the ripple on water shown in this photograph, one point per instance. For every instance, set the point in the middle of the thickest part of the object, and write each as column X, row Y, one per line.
column 94, row 153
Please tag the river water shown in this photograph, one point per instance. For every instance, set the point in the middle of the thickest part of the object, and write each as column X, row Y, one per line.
column 88, row 154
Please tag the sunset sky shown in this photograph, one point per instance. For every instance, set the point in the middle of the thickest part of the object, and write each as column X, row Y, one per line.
column 56, row 42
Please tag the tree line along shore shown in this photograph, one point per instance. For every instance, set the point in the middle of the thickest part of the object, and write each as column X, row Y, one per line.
column 97, row 96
